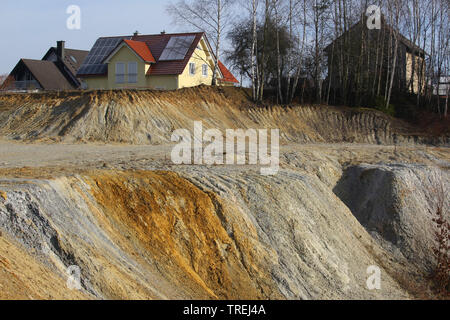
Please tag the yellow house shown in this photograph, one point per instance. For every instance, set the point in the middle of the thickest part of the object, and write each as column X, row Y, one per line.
column 415, row 72
column 163, row 62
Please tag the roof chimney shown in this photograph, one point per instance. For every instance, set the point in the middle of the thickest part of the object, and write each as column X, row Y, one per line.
column 136, row 33
column 163, row 32
column 60, row 49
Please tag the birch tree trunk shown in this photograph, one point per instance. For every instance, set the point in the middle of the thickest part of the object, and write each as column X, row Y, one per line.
column 210, row 16
column 263, row 54
column 218, row 42
column 280, row 93
column 254, row 72
column 301, row 53
column 394, row 63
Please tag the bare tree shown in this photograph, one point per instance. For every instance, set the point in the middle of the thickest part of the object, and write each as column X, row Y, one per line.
column 394, row 10
column 254, row 53
column 443, row 45
column 301, row 47
column 366, row 68
column 427, row 25
column 2, row 79
column 267, row 13
column 211, row 16
column 448, row 88
column 276, row 4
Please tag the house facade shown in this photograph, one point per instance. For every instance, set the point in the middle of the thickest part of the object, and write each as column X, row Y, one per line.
column 442, row 89
column 161, row 62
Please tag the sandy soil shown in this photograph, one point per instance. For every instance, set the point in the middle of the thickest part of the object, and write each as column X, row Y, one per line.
column 14, row 155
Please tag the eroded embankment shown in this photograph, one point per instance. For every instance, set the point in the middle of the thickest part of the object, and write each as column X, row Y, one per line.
column 396, row 204
column 195, row 234
column 149, row 117
column 214, row 233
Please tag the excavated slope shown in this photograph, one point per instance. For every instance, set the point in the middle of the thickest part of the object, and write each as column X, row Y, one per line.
column 193, row 234
column 139, row 227
column 396, row 204
column 149, row 117
column 219, row 233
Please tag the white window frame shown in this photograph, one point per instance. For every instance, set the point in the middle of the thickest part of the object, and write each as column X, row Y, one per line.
column 205, row 70
column 132, row 77
column 192, row 65
column 122, row 75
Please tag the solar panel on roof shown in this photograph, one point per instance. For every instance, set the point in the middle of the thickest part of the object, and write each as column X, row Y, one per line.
column 177, row 48
column 93, row 64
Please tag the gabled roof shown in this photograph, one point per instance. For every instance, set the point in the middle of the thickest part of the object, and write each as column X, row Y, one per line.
column 227, row 75
column 157, row 43
column 150, row 48
column 73, row 59
column 94, row 64
column 47, row 74
column 402, row 39
column 140, row 48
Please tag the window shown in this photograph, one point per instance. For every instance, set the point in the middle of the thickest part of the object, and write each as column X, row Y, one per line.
column 120, row 72
column 192, row 68
column 205, row 70
column 132, row 72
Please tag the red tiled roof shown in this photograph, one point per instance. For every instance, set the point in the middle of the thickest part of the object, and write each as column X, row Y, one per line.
column 227, row 75
column 141, row 50
column 157, row 43
column 150, row 48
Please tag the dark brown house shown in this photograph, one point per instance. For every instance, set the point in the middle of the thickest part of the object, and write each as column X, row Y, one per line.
column 360, row 61
column 56, row 71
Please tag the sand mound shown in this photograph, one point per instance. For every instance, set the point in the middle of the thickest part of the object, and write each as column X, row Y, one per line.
column 149, row 117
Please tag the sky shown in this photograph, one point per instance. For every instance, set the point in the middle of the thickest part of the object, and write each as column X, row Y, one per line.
column 28, row 28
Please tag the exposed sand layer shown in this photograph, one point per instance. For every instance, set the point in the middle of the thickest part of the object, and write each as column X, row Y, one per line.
column 206, row 232
column 149, row 117
column 140, row 227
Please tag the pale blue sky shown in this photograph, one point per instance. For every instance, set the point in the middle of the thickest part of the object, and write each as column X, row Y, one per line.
column 29, row 28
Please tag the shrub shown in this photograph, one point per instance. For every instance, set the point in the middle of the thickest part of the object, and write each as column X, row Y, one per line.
column 441, row 250
column 380, row 104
